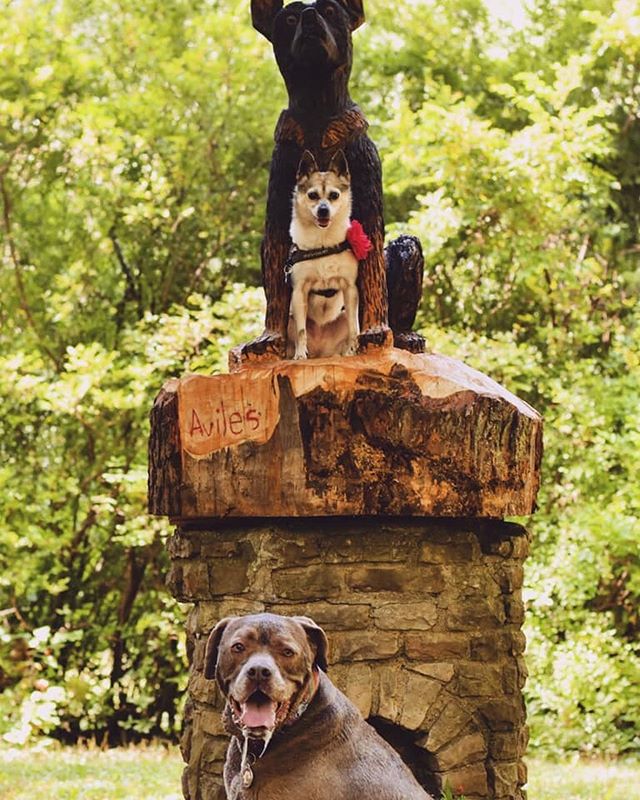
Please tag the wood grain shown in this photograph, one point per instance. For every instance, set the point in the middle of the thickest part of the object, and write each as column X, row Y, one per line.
column 383, row 433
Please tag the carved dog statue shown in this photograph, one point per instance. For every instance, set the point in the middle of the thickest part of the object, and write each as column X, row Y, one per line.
column 295, row 736
column 312, row 46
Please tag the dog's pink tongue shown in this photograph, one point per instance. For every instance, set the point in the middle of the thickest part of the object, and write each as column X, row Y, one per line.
column 259, row 715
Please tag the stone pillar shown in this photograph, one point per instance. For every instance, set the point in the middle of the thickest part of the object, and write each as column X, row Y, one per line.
column 423, row 612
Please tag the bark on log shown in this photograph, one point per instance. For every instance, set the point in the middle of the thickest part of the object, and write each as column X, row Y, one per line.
column 385, row 433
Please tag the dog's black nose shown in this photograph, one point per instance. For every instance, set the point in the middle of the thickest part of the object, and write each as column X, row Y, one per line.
column 309, row 18
column 323, row 211
column 259, row 671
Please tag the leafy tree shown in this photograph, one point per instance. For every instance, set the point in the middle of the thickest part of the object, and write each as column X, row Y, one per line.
column 528, row 212
column 118, row 200
column 132, row 176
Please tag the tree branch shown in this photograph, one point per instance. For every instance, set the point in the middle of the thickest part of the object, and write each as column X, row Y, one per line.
column 132, row 292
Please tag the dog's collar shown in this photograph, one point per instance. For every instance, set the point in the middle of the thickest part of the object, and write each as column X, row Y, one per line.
column 357, row 241
column 296, row 255
column 304, row 704
column 247, row 759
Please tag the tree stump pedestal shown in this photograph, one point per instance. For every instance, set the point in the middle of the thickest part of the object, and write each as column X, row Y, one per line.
column 368, row 493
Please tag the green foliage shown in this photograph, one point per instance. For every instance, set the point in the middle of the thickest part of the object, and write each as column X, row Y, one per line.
column 131, row 180
column 528, row 211
column 132, row 176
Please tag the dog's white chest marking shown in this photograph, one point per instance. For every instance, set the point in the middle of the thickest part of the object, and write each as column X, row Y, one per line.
column 328, row 272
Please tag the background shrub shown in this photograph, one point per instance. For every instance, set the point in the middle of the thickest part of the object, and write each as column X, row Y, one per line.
column 132, row 177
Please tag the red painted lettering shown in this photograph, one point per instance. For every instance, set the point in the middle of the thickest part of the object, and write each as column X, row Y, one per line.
column 196, row 425
column 226, row 423
column 253, row 418
column 235, row 423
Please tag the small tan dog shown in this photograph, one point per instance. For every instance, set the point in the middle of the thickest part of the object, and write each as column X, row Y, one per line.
column 322, row 266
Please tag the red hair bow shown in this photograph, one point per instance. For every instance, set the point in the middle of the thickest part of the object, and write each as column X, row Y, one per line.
column 358, row 240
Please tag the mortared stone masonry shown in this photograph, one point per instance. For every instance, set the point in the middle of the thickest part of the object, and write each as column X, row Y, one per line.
column 422, row 604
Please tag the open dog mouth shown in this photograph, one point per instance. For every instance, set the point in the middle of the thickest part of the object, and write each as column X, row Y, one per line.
column 258, row 711
column 323, row 223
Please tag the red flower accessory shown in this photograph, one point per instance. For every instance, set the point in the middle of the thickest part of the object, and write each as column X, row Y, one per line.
column 358, row 240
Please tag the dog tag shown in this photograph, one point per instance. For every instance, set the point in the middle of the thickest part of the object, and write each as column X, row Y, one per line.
column 247, row 777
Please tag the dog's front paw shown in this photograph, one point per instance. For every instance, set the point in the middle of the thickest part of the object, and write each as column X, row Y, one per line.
column 379, row 337
column 409, row 340
column 351, row 348
column 301, row 354
column 269, row 346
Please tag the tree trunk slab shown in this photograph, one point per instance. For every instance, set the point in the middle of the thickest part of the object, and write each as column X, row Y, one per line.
column 384, row 433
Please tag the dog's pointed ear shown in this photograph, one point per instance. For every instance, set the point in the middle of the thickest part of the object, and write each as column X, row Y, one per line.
column 263, row 12
column 318, row 639
column 355, row 10
column 339, row 164
column 307, row 165
column 213, row 644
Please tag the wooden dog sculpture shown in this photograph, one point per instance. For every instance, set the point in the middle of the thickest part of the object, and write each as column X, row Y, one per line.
column 294, row 735
column 312, row 46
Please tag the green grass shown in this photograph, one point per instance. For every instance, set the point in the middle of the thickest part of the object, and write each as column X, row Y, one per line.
column 79, row 774
column 153, row 773
column 583, row 780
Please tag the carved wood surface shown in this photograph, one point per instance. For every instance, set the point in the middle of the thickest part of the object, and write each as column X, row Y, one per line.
column 384, row 433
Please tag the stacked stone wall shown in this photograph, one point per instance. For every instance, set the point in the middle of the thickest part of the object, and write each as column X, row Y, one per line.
column 424, row 624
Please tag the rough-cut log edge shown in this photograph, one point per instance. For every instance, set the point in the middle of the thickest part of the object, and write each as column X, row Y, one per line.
column 165, row 459
column 435, row 374
column 171, row 473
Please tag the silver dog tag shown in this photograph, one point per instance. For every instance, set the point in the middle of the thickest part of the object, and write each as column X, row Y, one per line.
column 247, row 777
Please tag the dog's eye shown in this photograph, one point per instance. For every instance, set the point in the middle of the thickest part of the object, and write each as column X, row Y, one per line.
column 291, row 19
column 288, row 652
column 313, row 196
column 334, row 195
column 329, row 11
column 237, row 647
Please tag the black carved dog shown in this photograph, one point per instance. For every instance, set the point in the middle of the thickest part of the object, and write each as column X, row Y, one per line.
column 312, row 46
